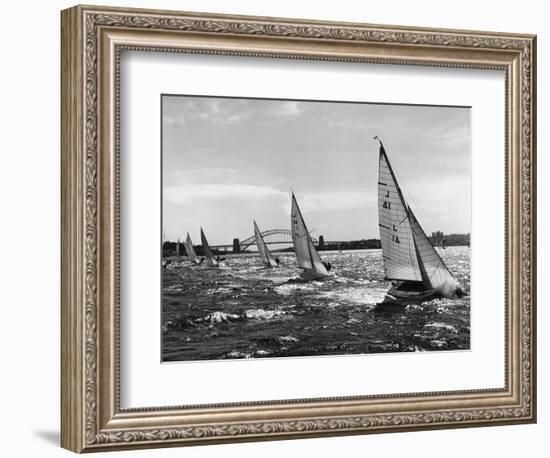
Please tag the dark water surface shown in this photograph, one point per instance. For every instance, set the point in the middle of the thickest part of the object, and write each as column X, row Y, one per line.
column 243, row 310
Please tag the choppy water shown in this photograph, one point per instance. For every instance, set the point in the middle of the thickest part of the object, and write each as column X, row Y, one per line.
column 244, row 310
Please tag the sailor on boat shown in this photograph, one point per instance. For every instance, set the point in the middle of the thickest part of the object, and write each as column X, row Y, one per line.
column 417, row 272
column 308, row 259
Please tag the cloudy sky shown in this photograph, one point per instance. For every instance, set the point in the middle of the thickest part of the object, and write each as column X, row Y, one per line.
column 227, row 161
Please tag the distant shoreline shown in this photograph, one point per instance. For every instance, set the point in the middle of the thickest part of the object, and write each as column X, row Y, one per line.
column 438, row 239
column 174, row 258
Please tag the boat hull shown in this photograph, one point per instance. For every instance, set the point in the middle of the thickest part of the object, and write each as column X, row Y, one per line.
column 308, row 275
column 399, row 296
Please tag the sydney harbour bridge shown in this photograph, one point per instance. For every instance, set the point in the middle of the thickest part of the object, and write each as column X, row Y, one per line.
column 271, row 237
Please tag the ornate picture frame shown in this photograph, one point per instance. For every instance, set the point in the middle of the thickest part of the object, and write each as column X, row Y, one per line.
column 92, row 40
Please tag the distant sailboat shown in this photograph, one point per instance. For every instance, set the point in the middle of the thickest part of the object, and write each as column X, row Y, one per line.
column 210, row 260
column 306, row 254
column 265, row 254
column 190, row 250
column 410, row 260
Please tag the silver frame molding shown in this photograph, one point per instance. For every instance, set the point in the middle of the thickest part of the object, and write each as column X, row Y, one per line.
column 92, row 39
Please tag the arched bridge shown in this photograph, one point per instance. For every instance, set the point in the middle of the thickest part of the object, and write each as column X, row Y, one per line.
column 271, row 237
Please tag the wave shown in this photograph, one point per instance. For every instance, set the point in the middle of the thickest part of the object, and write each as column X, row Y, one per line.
column 176, row 288
column 261, row 314
column 287, row 289
column 219, row 317
column 238, row 355
column 441, row 326
column 287, row 339
column 262, row 353
column 356, row 296
column 438, row 343
column 221, row 289
column 353, row 320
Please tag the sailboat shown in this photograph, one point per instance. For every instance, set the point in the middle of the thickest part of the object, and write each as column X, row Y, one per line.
column 417, row 271
column 265, row 254
column 306, row 254
column 190, row 250
column 210, row 260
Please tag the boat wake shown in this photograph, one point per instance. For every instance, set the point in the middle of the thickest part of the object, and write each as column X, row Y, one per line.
column 219, row 317
column 356, row 296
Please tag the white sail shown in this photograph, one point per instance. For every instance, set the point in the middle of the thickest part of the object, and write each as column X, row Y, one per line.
column 265, row 254
column 435, row 271
column 398, row 249
column 306, row 254
column 207, row 251
column 190, row 250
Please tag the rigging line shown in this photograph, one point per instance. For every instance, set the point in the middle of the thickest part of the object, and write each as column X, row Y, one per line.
column 433, row 273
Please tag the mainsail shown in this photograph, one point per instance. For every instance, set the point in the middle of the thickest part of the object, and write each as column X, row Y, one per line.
column 207, row 251
column 190, row 250
column 398, row 250
column 306, row 254
column 265, row 254
column 407, row 251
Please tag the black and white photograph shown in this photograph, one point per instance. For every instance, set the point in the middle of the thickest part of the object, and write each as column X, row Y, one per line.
column 308, row 228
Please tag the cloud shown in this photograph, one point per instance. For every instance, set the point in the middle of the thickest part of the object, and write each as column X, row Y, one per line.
column 194, row 194
column 338, row 200
column 223, row 210
column 181, row 111
column 446, row 208
column 286, row 109
column 170, row 120
column 200, row 175
column 233, row 160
